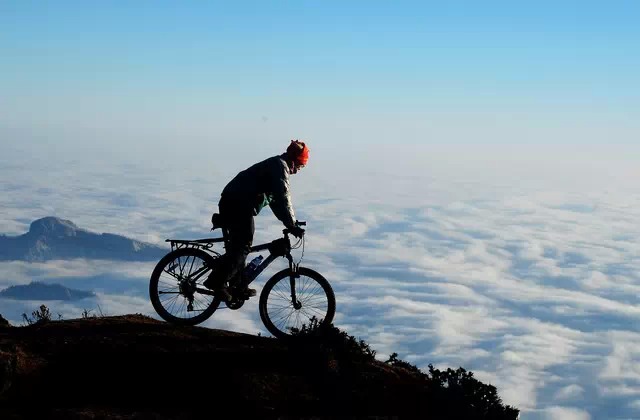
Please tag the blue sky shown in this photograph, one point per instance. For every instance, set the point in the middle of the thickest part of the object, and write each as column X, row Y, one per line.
column 341, row 72
column 472, row 189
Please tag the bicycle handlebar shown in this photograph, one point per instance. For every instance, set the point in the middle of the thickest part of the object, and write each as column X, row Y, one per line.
column 298, row 223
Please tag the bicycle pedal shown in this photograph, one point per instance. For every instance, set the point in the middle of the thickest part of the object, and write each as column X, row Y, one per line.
column 224, row 294
column 244, row 295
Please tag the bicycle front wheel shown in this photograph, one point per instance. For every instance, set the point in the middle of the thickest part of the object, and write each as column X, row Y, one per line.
column 314, row 297
column 174, row 284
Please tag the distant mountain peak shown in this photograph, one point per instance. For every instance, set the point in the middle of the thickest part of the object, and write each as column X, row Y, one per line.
column 43, row 291
column 53, row 226
column 56, row 238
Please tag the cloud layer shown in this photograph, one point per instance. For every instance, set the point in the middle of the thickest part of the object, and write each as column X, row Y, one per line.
column 536, row 290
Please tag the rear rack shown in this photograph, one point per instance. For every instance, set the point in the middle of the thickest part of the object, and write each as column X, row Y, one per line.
column 205, row 244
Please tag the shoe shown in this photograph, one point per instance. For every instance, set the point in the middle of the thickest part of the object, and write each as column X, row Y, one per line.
column 249, row 292
column 221, row 291
column 224, row 294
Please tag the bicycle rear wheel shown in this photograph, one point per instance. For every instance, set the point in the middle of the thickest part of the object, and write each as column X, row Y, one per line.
column 314, row 298
column 174, row 284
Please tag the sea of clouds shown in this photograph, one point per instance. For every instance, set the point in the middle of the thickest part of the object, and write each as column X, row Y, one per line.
column 533, row 286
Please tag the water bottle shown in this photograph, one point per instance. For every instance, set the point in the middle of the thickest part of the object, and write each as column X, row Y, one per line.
column 253, row 265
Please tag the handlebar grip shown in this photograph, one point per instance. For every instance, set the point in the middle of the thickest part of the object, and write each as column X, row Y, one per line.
column 301, row 223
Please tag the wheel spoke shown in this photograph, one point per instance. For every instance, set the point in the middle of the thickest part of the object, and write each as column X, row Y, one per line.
column 314, row 301
column 172, row 274
column 173, row 302
column 169, row 285
column 314, row 296
column 311, row 314
column 289, row 317
column 280, row 311
column 281, row 291
column 316, row 290
column 169, row 299
column 192, row 262
column 305, row 284
column 174, row 287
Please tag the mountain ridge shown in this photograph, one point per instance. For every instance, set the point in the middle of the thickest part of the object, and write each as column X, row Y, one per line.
column 37, row 290
column 136, row 367
column 52, row 237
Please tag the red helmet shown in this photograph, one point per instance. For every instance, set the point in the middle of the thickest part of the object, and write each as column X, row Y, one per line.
column 298, row 152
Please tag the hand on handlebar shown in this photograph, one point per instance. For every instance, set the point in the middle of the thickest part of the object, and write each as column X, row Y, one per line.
column 296, row 231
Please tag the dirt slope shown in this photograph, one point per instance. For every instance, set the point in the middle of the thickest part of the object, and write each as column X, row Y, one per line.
column 137, row 367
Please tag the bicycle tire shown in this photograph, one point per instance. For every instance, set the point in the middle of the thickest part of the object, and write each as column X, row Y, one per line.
column 171, row 258
column 266, row 315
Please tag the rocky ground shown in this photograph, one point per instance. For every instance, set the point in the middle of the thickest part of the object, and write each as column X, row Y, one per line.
column 127, row 367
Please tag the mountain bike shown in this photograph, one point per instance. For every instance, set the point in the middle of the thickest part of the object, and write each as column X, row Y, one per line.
column 290, row 299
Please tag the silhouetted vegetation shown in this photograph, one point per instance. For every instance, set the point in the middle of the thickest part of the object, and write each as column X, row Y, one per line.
column 43, row 314
column 39, row 316
column 321, row 368
column 331, row 339
column 455, row 393
column 454, row 386
column 394, row 361
column 86, row 313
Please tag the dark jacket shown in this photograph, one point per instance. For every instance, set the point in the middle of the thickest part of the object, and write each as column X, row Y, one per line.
column 264, row 183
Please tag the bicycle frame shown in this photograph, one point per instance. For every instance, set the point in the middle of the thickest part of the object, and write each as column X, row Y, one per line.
column 277, row 248
column 289, row 299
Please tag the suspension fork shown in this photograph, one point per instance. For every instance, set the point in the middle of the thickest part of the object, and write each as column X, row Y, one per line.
column 293, row 269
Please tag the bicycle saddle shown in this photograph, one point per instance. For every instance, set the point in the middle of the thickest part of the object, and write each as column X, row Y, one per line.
column 216, row 221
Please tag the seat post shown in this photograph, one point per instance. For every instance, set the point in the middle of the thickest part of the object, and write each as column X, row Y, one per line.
column 225, row 236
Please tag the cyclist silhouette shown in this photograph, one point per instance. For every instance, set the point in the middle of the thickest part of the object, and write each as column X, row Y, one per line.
column 264, row 183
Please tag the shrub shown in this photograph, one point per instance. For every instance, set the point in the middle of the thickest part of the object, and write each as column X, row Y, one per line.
column 451, row 393
column 86, row 314
column 39, row 316
column 394, row 361
column 330, row 337
column 453, row 386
